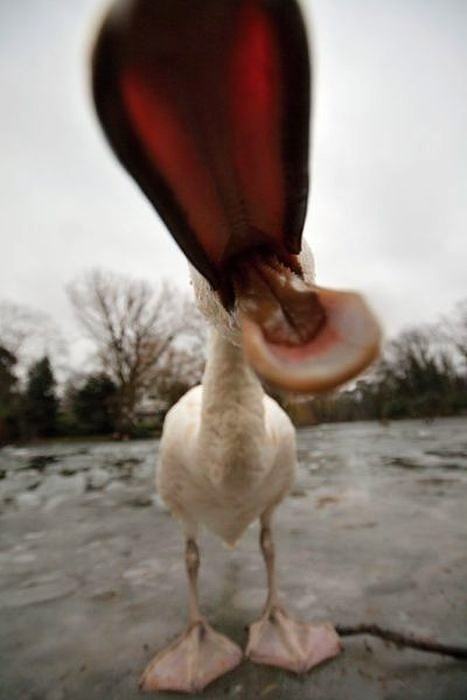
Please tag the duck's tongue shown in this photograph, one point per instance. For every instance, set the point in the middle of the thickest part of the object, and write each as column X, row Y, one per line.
column 300, row 337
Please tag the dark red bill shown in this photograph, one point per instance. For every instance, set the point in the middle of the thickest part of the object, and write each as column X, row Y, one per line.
column 207, row 104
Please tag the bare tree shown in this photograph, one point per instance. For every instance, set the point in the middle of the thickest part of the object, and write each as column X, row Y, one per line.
column 134, row 329
column 27, row 334
column 181, row 367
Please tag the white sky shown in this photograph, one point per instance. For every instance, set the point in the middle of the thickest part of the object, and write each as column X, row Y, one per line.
column 388, row 211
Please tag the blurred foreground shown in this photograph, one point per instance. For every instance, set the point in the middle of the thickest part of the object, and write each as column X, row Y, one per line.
column 92, row 580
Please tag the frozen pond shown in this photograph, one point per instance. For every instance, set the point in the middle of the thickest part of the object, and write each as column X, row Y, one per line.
column 92, row 580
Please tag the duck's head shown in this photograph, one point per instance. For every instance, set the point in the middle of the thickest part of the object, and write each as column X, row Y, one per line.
column 207, row 105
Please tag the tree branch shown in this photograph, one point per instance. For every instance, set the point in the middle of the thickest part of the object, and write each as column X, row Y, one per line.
column 400, row 639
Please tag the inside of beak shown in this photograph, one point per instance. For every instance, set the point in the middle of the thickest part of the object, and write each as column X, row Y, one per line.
column 300, row 337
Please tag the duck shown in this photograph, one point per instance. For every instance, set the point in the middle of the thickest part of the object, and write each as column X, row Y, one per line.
column 208, row 107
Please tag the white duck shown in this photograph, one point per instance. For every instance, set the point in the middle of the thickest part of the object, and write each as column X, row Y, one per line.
column 207, row 105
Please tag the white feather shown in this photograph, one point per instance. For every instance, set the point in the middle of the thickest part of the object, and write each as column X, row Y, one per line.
column 227, row 451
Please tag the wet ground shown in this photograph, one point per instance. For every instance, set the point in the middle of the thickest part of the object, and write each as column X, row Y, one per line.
column 92, row 580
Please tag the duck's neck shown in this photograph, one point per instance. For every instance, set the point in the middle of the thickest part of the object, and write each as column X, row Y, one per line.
column 232, row 419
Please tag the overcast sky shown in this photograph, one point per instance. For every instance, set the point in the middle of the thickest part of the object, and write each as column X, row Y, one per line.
column 388, row 208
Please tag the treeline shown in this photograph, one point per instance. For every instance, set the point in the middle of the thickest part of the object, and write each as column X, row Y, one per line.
column 31, row 411
column 146, row 348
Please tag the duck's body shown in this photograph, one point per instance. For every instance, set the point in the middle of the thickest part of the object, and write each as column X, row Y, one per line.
column 227, row 452
column 227, row 458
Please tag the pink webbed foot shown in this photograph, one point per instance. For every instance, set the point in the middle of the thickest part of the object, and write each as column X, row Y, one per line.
column 192, row 661
column 278, row 640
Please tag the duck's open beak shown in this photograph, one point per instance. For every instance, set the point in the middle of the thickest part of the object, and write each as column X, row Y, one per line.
column 300, row 337
column 207, row 104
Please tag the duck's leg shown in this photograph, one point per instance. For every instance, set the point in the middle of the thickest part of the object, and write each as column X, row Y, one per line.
column 278, row 640
column 200, row 655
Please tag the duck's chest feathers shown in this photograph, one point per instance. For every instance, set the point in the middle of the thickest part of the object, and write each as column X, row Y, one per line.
column 230, row 496
column 233, row 452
